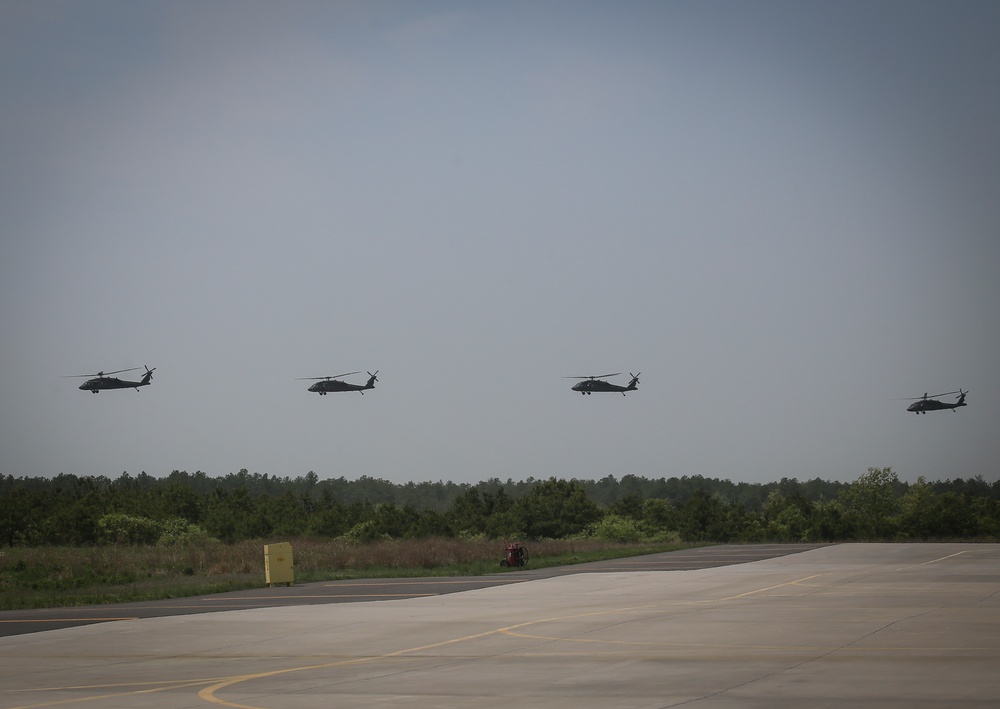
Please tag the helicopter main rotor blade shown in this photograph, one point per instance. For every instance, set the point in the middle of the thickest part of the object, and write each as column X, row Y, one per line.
column 103, row 374
column 595, row 376
column 345, row 374
column 930, row 396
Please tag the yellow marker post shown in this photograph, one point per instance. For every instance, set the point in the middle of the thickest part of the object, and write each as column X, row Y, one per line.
column 278, row 566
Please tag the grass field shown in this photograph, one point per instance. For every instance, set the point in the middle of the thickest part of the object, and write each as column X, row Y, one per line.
column 44, row 577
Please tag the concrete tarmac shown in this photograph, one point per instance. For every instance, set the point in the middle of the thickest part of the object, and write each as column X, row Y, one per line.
column 859, row 625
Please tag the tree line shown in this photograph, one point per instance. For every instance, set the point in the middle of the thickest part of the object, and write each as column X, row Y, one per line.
column 184, row 507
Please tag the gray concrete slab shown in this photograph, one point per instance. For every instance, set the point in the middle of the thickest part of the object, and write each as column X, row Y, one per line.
column 858, row 625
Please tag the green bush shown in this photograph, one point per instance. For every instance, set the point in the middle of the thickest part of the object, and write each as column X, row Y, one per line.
column 177, row 531
column 118, row 528
column 615, row 528
column 365, row 532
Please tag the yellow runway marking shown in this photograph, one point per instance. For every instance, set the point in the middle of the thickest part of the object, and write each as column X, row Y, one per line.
column 67, row 620
column 208, row 694
column 425, row 583
column 271, row 599
column 170, row 684
column 932, row 561
column 769, row 588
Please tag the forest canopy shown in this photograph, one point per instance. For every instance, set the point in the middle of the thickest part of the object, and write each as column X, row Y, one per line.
column 182, row 507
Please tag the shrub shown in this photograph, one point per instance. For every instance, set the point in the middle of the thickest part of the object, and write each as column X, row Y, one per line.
column 118, row 528
column 615, row 528
column 177, row 531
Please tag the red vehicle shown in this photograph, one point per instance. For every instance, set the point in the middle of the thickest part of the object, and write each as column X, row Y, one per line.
column 517, row 555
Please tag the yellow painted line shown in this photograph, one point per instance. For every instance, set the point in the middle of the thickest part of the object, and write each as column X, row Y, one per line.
column 674, row 646
column 424, row 583
column 271, row 599
column 208, row 693
column 66, row 620
column 171, row 684
column 427, row 583
column 769, row 588
column 934, row 561
column 112, row 685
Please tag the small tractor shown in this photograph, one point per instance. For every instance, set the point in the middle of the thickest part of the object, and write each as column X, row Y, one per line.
column 517, row 555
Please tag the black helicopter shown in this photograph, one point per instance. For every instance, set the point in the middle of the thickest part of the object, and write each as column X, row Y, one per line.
column 925, row 404
column 592, row 384
column 328, row 384
column 102, row 380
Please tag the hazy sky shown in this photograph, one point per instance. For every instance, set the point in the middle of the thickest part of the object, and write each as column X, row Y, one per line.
column 786, row 215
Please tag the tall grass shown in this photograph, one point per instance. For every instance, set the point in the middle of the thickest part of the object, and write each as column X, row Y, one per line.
column 39, row 577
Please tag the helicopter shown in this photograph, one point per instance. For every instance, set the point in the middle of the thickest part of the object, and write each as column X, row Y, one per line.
column 328, row 384
column 102, row 380
column 595, row 383
column 925, row 404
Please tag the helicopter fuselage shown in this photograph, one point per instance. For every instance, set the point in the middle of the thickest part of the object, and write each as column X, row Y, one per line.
column 589, row 386
column 326, row 386
column 925, row 405
column 97, row 384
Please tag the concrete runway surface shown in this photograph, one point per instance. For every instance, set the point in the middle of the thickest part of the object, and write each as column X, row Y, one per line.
column 858, row 625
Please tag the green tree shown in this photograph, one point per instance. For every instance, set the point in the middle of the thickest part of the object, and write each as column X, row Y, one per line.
column 828, row 523
column 556, row 509
column 786, row 516
column 629, row 506
column 916, row 518
column 872, row 503
column 15, row 513
column 701, row 518
column 288, row 514
column 235, row 515
column 330, row 519
column 954, row 518
column 469, row 512
column 659, row 515
column 180, row 500
column 482, row 512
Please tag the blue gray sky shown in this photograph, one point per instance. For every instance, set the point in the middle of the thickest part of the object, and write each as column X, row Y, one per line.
column 783, row 214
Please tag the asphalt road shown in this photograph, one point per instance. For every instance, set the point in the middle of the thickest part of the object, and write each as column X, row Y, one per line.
column 35, row 620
